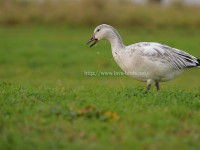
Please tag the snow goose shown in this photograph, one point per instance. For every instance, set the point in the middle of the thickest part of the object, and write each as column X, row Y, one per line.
column 145, row 61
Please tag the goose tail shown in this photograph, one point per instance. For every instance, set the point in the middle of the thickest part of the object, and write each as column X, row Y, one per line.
column 198, row 64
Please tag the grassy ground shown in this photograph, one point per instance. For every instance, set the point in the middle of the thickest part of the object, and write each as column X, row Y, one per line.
column 46, row 101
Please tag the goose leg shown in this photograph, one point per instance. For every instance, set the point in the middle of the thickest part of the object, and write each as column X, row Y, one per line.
column 149, row 82
column 148, row 87
column 157, row 86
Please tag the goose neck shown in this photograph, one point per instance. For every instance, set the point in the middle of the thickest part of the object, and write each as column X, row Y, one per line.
column 116, row 42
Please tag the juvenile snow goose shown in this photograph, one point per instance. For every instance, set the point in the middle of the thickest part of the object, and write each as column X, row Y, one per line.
column 145, row 61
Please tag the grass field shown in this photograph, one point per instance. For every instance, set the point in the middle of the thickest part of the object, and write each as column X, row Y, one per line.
column 46, row 101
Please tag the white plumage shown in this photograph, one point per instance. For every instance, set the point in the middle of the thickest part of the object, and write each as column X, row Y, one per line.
column 145, row 61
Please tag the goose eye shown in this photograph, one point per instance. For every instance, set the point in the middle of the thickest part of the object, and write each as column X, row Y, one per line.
column 98, row 30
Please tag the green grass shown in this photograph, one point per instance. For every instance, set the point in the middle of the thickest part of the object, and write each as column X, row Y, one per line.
column 46, row 102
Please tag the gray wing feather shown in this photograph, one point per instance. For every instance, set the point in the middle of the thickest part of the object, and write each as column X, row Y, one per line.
column 179, row 58
column 175, row 58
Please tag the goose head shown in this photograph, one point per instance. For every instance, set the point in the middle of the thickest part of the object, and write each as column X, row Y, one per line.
column 101, row 32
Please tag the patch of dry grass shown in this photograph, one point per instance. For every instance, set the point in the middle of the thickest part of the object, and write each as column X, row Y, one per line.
column 90, row 12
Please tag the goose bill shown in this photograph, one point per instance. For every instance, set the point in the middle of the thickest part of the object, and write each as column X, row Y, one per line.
column 91, row 40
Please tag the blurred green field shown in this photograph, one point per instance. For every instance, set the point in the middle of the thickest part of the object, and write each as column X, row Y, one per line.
column 46, row 101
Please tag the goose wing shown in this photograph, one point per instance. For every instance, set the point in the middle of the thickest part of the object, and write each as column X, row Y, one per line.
column 177, row 59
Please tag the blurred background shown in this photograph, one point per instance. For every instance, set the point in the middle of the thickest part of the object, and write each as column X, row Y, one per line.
column 142, row 13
